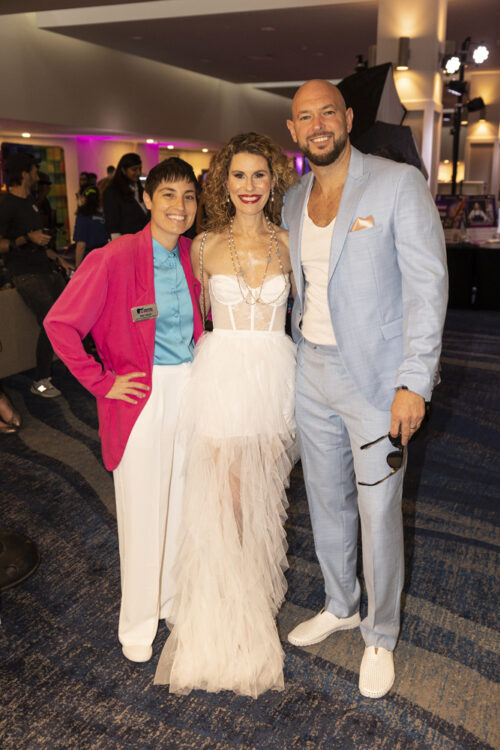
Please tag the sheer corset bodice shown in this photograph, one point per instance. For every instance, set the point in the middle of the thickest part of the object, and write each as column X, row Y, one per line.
column 231, row 312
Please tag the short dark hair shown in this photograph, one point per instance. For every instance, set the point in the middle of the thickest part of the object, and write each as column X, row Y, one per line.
column 169, row 170
column 17, row 163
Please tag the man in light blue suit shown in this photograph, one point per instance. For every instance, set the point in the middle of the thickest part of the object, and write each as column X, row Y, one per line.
column 368, row 256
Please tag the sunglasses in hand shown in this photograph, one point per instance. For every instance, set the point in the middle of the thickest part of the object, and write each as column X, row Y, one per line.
column 394, row 458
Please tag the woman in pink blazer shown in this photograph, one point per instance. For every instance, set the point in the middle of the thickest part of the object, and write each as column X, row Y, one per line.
column 138, row 298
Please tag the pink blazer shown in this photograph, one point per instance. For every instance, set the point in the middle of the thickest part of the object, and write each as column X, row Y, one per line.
column 99, row 298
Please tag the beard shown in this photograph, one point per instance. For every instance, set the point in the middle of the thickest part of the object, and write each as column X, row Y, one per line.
column 328, row 157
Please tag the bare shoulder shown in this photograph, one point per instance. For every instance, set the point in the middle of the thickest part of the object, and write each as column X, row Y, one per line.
column 201, row 240
column 283, row 235
column 214, row 246
column 196, row 243
column 215, row 251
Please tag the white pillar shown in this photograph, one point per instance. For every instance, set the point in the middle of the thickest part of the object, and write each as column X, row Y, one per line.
column 420, row 87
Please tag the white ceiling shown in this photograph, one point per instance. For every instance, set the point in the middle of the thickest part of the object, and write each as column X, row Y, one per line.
column 277, row 41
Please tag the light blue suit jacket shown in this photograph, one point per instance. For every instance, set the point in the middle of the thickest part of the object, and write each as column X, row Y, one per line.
column 388, row 284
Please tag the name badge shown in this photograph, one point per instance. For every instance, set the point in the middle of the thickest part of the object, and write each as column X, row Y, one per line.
column 144, row 312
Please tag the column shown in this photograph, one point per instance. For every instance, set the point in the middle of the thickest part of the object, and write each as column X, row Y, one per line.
column 420, row 87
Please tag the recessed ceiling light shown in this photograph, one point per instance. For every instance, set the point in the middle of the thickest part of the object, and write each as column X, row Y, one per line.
column 137, row 38
column 170, row 146
column 205, row 150
column 149, row 140
column 267, row 28
column 26, row 135
column 260, row 58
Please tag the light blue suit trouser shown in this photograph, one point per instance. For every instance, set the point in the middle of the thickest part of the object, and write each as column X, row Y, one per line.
column 334, row 420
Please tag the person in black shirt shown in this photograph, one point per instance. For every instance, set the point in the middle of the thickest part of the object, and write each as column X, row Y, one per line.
column 24, row 247
column 124, row 210
column 41, row 194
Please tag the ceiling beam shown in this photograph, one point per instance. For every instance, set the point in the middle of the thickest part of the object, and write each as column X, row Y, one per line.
column 166, row 9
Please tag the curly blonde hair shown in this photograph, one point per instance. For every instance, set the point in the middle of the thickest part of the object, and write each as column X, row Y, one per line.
column 215, row 194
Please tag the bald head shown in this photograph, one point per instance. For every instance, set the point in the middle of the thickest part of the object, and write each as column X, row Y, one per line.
column 320, row 123
column 316, row 90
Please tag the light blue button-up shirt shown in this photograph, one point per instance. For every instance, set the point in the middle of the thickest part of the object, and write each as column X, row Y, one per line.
column 174, row 325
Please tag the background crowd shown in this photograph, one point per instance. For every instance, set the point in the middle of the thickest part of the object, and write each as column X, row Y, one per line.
column 31, row 258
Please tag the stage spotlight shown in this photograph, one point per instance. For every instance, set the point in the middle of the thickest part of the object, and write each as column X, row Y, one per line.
column 451, row 64
column 457, row 87
column 480, row 54
column 476, row 104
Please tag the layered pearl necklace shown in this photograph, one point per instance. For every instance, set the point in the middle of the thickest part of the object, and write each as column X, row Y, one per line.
column 248, row 294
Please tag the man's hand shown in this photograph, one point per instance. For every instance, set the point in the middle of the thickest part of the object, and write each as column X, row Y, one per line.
column 407, row 413
column 54, row 255
column 64, row 263
column 39, row 237
column 124, row 387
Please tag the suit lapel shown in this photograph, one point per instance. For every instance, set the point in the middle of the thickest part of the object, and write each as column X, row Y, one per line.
column 296, row 223
column 352, row 192
column 145, row 285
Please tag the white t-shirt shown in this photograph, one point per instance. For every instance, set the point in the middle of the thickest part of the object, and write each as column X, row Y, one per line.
column 315, row 250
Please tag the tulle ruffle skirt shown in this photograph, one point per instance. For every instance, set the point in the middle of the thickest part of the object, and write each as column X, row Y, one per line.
column 237, row 422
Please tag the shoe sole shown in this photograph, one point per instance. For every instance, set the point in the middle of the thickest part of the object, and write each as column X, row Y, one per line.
column 298, row 642
column 379, row 694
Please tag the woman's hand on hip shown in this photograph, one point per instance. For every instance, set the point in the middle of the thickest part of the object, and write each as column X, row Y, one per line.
column 126, row 389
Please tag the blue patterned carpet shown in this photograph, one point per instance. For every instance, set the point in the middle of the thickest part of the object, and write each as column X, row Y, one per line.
column 65, row 684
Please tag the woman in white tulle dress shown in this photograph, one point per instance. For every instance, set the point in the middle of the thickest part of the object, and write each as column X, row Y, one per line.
column 237, row 421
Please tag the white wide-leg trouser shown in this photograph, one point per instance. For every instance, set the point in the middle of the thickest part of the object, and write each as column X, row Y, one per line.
column 149, row 487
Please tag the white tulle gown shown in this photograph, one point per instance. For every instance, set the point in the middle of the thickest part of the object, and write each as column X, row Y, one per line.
column 237, row 420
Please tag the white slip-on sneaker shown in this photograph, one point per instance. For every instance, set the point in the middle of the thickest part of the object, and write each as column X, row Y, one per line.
column 376, row 674
column 45, row 388
column 320, row 627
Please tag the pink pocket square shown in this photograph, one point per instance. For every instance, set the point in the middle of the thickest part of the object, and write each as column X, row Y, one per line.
column 362, row 223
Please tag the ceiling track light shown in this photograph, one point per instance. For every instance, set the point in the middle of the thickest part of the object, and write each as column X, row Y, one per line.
column 361, row 64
